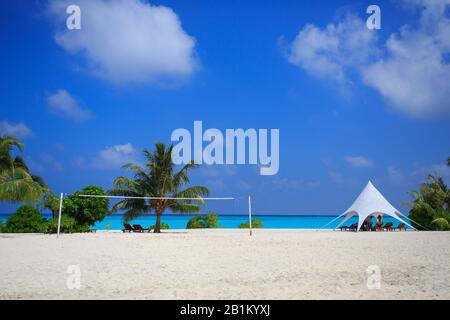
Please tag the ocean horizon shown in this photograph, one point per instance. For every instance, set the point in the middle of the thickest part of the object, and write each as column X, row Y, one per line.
column 179, row 221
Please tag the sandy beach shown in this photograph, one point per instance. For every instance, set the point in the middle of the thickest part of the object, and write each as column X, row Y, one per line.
column 226, row 264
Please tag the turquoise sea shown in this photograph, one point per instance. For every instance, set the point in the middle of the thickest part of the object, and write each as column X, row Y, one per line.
column 175, row 221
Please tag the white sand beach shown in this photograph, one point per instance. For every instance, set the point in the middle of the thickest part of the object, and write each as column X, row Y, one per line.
column 227, row 264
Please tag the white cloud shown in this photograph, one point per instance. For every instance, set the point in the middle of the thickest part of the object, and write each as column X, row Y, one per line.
column 44, row 163
column 64, row 104
column 359, row 162
column 411, row 70
column 79, row 162
column 414, row 78
column 286, row 184
column 215, row 183
column 51, row 162
column 395, row 175
column 243, row 185
column 215, row 171
column 128, row 41
column 36, row 167
column 329, row 53
column 115, row 157
column 334, row 174
column 441, row 170
column 18, row 130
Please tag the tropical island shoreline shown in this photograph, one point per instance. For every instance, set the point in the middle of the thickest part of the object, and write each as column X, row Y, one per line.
column 226, row 264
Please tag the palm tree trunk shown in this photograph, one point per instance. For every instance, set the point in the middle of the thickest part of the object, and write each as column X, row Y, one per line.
column 158, row 222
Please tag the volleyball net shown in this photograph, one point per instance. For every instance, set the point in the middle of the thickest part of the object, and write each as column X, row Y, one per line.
column 235, row 205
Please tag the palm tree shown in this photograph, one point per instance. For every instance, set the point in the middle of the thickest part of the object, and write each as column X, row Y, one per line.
column 16, row 182
column 7, row 145
column 50, row 202
column 431, row 205
column 158, row 179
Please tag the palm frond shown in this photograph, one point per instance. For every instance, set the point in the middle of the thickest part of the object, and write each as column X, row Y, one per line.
column 8, row 142
column 193, row 192
column 18, row 185
column 184, row 208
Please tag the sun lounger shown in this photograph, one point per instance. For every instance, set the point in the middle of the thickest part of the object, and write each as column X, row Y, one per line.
column 348, row 228
column 378, row 227
column 128, row 228
column 138, row 228
column 400, row 227
column 387, row 226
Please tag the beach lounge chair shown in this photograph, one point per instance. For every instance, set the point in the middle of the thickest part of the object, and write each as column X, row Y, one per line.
column 400, row 227
column 128, row 228
column 347, row 228
column 353, row 227
column 378, row 227
column 387, row 226
column 138, row 228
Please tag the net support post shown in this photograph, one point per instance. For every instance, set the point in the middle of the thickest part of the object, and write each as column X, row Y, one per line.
column 250, row 215
column 59, row 213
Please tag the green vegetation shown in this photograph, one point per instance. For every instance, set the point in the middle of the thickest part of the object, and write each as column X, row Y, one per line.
column 210, row 220
column 17, row 184
column 256, row 223
column 86, row 211
column 2, row 226
column 430, row 209
column 26, row 219
column 68, row 225
column 50, row 202
column 440, row 224
column 157, row 179
column 164, row 226
column 78, row 213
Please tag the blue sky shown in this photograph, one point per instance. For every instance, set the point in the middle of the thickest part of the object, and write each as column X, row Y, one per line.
column 375, row 108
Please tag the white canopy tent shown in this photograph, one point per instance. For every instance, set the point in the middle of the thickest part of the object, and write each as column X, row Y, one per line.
column 371, row 203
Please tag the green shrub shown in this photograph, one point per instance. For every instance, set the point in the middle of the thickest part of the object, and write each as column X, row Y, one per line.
column 68, row 225
column 440, row 224
column 50, row 202
column 86, row 211
column 26, row 219
column 256, row 223
column 2, row 226
column 430, row 209
column 164, row 226
column 210, row 220
column 197, row 222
